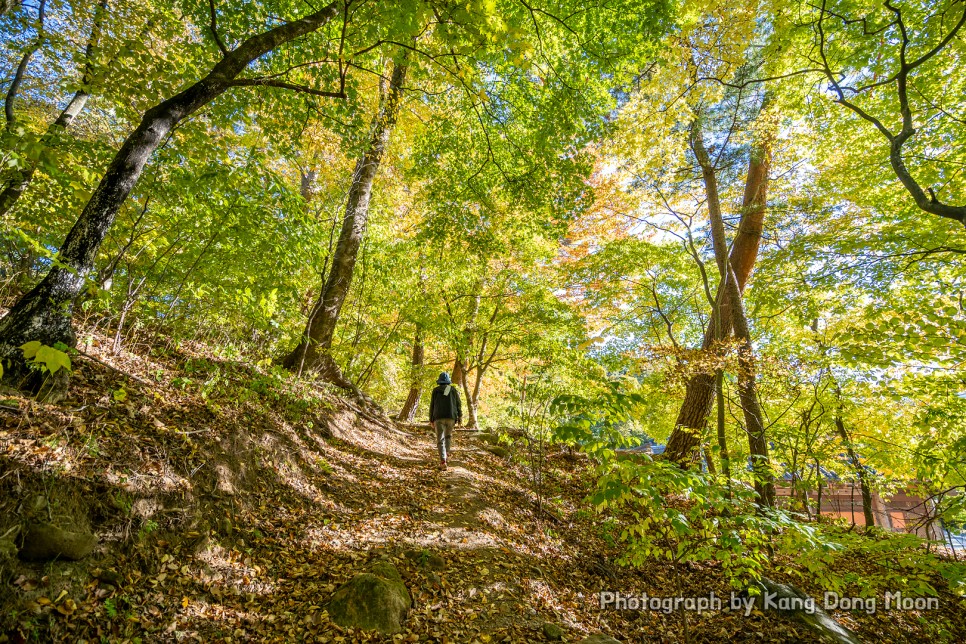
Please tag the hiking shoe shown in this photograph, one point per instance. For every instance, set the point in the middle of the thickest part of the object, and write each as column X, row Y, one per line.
column 442, row 465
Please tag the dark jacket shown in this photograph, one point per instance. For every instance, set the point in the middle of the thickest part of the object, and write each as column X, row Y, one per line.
column 443, row 406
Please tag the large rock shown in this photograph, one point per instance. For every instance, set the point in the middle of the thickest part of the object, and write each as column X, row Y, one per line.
column 818, row 621
column 599, row 638
column 376, row 600
column 46, row 542
column 552, row 632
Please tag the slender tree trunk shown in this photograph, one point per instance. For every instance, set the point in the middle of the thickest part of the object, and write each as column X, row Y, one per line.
column 18, row 182
column 18, row 75
column 699, row 391
column 722, row 437
column 472, row 421
column 313, row 352
column 44, row 313
column 408, row 412
column 458, row 373
column 818, row 499
column 747, row 390
column 469, row 338
column 860, row 472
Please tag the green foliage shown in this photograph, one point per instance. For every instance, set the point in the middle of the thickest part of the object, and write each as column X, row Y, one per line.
column 596, row 424
column 46, row 359
column 684, row 516
column 870, row 564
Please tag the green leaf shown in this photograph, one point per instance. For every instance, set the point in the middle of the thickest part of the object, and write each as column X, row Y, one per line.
column 30, row 349
column 53, row 359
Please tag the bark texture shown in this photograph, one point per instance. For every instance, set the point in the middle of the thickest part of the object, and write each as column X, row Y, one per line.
column 18, row 74
column 747, row 389
column 44, row 313
column 313, row 352
column 408, row 411
column 699, row 391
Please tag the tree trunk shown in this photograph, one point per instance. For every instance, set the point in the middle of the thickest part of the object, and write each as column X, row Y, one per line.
column 747, row 389
column 818, row 498
column 22, row 67
column 860, row 472
column 17, row 183
column 748, row 395
column 722, row 437
column 460, row 377
column 699, row 391
column 44, row 313
column 313, row 352
column 463, row 354
column 408, row 412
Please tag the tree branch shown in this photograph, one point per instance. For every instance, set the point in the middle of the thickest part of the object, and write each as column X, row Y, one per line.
column 269, row 82
column 214, row 28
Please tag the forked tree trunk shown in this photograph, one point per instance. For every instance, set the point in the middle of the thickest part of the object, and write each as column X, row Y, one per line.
column 747, row 389
column 408, row 411
column 313, row 352
column 20, row 179
column 44, row 313
column 699, row 391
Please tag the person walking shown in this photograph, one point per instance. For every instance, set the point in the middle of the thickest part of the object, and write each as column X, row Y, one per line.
column 445, row 412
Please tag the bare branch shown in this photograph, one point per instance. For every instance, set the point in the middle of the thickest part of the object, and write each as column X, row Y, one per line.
column 270, row 82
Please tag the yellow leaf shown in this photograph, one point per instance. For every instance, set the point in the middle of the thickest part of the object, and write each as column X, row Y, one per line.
column 30, row 349
column 68, row 607
column 184, row 602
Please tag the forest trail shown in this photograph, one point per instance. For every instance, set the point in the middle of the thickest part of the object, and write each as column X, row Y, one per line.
column 234, row 511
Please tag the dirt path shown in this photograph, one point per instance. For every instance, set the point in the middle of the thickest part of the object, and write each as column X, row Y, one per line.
column 463, row 499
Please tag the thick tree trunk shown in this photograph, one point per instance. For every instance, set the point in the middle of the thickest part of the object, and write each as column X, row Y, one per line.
column 313, row 352
column 408, row 412
column 747, row 389
column 17, row 183
column 699, row 391
column 44, row 313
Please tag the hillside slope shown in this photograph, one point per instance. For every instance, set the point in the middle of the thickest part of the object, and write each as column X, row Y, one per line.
column 229, row 504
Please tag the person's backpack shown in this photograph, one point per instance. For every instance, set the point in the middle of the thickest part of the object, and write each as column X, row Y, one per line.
column 448, row 394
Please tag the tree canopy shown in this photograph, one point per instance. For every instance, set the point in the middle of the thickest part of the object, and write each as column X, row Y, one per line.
column 734, row 228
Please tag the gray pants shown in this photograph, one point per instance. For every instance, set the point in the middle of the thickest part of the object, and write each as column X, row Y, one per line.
column 444, row 434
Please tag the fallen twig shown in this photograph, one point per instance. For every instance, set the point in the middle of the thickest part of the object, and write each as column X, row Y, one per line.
column 115, row 369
